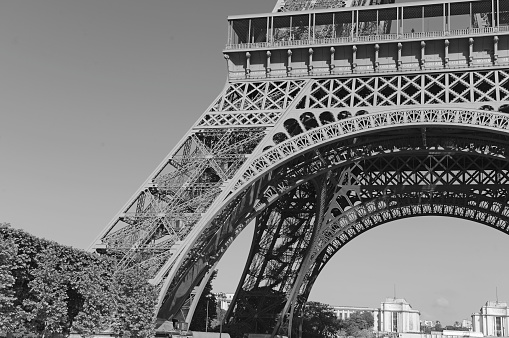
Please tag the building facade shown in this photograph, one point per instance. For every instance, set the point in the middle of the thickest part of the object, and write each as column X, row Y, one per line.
column 394, row 315
column 492, row 319
column 224, row 300
column 397, row 315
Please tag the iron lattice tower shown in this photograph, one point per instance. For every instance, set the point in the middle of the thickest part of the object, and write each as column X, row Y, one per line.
column 336, row 117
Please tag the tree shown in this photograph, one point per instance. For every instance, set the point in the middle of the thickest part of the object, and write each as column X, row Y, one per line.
column 135, row 300
column 207, row 304
column 438, row 326
column 46, row 308
column 8, row 252
column 95, row 283
column 358, row 324
column 319, row 321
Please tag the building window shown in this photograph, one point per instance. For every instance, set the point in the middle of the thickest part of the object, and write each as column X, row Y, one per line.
column 394, row 322
column 498, row 326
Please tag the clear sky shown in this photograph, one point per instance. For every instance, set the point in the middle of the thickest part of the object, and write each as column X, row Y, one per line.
column 94, row 94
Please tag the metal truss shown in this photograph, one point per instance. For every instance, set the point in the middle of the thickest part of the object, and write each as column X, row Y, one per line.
column 314, row 163
column 404, row 175
column 468, row 87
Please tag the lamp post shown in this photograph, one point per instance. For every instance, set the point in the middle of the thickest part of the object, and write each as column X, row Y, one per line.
column 207, row 318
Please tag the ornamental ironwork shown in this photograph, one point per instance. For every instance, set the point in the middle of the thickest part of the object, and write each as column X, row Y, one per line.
column 335, row 119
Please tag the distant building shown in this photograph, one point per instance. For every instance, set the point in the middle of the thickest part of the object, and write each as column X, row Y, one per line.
column 224, row 300
column 466, row 324
column 394, row 315
column 492, row 319
column 344, row 312
column 397, row 315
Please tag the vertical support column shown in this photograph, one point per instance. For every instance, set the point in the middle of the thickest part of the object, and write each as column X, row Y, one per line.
column 248, row 64
column 400, row 61
column 291, row 25
column 423, row 54
column 289, row 63
column 495, row 50
column 310, row 64
column 446, row 53
column 397, row 21
column 493, row 9
column 498, row 15
column 309, row 26
column 444, row 20
column 249, row 33
column 331, row 64
column 313, row 26
column 470, row 51
column 227, row 58
column 321, row 199
column 353, row 22
column 354, row 58
column 357, row 24
column 271, row 29
column 377, row 63
column 267, row 69
column 402, row 20
column 378, row 22
column 230, row 24
column 333, row 25
column 267, row 33
column 471, row 17
column 422, row 19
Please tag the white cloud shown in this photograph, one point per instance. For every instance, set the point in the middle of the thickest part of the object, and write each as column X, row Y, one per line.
column 441, row 302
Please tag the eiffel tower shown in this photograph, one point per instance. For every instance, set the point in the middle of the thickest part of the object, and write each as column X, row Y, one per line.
column 337, row 116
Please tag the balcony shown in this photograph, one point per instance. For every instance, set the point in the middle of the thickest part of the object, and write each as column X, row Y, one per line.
column 391, row 22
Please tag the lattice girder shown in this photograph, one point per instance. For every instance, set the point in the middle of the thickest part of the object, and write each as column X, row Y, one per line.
column 215, row 180
column 476, row 169
column 264, row 163
column 464, row 144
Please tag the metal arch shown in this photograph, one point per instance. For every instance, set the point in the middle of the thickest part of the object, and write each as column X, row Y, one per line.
column 357, row 126
column 406, row 206
column 466, row 154
column 370, row 123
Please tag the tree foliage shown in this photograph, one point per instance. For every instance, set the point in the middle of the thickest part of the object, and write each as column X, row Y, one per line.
column 8, row 252
column 47, row 288
column 358, row 324
column 135, row 300
column 319, row 321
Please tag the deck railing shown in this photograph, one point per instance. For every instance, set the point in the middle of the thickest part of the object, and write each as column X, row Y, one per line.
column 368, row 38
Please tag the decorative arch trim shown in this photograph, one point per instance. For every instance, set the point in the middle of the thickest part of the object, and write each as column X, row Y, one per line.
column 456, row 118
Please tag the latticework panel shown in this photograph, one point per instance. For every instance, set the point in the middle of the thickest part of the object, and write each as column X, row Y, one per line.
column 255, row 96
column 416, row 89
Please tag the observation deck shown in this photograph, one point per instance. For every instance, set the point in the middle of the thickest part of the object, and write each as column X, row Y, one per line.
column 406, row 37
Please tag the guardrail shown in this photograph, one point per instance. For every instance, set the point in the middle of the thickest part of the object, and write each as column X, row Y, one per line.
column 368, row 38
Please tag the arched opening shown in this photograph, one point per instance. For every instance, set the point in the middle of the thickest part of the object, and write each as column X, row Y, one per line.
column 344, row 115
column 326, row 117
column 504, row 108
column 279, row 137
column 292, row 127
column 308, row 120
column 487, row 107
